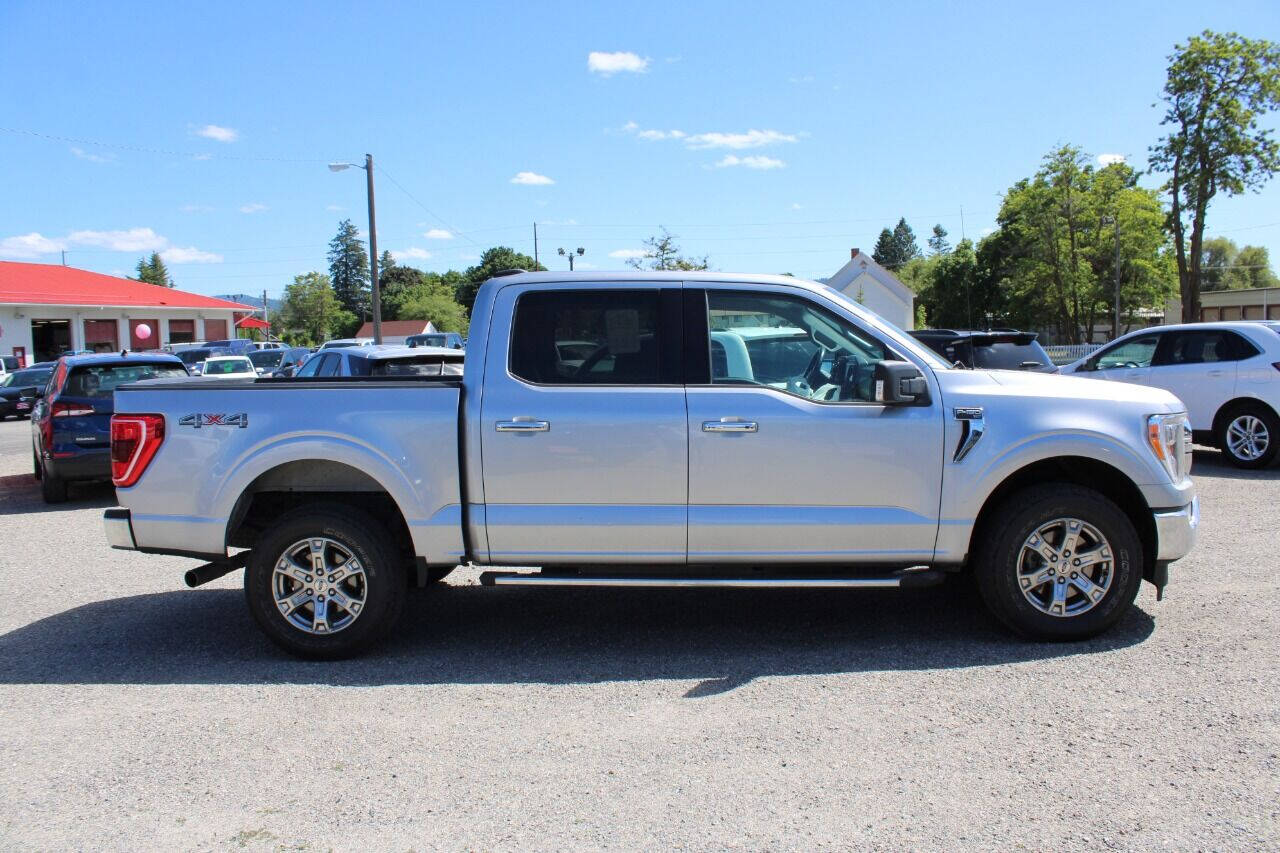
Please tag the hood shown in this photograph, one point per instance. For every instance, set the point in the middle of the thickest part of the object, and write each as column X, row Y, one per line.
column 1059, row 388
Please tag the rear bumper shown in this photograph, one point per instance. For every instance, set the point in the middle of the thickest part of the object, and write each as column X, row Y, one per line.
column 1176, row 531
column 88, row 464
column 119, row 528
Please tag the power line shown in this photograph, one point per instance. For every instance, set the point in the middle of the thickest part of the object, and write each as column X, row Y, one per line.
column 194, row 155
column 429, row 211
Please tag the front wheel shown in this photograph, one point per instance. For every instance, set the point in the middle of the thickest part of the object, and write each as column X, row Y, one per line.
column 1249, row 436
column 1059, row 562
column 323, row 582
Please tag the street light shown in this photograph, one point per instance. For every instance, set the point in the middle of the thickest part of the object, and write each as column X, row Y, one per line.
column 580, row 252
column 373, row 243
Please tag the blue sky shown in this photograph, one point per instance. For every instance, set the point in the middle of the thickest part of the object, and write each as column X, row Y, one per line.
column 801, row 129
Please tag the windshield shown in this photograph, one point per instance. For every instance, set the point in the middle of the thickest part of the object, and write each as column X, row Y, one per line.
column 338, row 344
column 267, row 357
column 99, row 381
column 222, row 367
column 25, row 378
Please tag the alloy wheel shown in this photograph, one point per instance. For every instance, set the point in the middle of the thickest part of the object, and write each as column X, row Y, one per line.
column 319, row 585
column 1065, row 567
column 1248, row 437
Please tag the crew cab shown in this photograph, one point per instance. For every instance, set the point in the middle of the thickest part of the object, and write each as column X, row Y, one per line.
column 818, row 446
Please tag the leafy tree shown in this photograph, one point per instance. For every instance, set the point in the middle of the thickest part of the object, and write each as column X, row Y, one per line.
column 434, row 302
column 493, row 261
column 938, row 242
column 349, row 270
column 153, row 271
column 663, row 253
column 959, row 292
column 1224, row 266
column 310, row 311
column 1219, row 86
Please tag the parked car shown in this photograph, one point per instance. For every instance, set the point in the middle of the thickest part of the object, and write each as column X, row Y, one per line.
column 70, row 427
column 448, row 340
column 276, row 361
column 194, row 357
column 228, row 367
column 20, row 389
column 1227, row 374
column 339, row 343
column 648, row 467
column 384, row 360
column 8, row 364
column 999, row 349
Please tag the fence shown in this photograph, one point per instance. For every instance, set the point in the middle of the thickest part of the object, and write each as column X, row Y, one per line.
column 1067, row 353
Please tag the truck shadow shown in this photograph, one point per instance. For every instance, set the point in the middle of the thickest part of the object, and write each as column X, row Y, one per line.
column 475, row 635
column 1212, row 462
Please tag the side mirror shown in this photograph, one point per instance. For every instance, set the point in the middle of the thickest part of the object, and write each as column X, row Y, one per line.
column 900, row 382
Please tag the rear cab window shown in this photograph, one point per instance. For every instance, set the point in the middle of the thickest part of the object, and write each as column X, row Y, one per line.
column 100, row 381
column 1009, row 355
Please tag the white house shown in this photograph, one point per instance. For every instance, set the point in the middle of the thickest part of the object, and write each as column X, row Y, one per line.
column 875, row 287
column 397, row 331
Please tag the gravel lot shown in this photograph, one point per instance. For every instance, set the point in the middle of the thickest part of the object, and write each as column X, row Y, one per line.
column 135, row 713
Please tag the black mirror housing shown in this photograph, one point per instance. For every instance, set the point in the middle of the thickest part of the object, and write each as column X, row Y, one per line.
column 900, row 383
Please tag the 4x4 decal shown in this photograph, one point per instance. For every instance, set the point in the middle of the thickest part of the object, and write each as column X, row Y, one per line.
column 204, row 419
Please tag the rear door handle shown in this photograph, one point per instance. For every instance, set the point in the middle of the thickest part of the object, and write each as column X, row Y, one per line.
column 730, row 426
column 523, row 426
column 1215, row 372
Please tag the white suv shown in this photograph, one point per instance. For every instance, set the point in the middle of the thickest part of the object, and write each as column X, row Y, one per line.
column 1227, row 374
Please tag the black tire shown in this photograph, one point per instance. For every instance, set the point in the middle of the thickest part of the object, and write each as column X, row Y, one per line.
column 1000, row 548
column 36, row 471
column 52, row 488
column 1270, row 423
column 384, row 580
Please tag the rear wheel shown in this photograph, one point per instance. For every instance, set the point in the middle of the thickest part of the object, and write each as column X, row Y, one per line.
column 36, row 471
column 323, row 582
column 52, row 487
column 1249, row 436
column 1060, row 562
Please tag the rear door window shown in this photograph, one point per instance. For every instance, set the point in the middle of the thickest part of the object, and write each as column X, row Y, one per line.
column 598, row 337
column 329, row 365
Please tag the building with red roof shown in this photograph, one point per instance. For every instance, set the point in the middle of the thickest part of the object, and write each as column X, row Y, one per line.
column 46, row 309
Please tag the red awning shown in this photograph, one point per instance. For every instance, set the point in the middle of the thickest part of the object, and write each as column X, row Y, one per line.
column 252, row 323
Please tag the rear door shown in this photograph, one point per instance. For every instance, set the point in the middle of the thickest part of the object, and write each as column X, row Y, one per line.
column 585, row 463
column 1199, row 368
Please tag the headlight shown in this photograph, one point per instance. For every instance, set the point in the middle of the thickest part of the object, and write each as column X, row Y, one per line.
column 1170, row 439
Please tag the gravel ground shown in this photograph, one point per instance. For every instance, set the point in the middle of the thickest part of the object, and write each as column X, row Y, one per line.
column 137, row 714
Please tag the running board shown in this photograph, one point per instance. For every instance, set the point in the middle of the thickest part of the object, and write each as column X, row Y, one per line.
column 911, row 578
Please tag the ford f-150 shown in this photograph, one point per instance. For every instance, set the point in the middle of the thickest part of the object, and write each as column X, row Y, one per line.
column 702, row 430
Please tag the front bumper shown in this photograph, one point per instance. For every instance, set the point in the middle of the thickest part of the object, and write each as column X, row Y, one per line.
column 1176, row 531
column 119, row 528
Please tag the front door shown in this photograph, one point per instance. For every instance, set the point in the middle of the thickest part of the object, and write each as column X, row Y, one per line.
column 1199, row 368
column 1128, row 361
column 790, row 458
column 583, row 427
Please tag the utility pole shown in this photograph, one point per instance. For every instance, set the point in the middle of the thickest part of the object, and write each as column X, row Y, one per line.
column 1115, row 328
column 266, row 318
column 373, row 255
column 535, row 245
column 64, row 257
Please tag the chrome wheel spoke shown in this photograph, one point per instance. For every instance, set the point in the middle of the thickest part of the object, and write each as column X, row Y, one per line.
column 317, row 555
column 293, row 569
column 320, row 616
column 348, row 603
column 1086, row 586
column 293, row 602
column 349, row 568
column 1089, row 558
column 1059, row 603
column 1036, row 578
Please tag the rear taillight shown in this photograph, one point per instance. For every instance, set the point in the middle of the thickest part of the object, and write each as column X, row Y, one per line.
column 70, row 410
column 134, row 442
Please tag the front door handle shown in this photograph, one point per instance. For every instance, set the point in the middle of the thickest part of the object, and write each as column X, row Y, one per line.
column 730, row 426
column 523, row 426
column 1215, row 372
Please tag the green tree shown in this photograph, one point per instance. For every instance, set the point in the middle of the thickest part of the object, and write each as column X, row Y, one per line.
column 1219, row 87
column 493, row 261
column 1224, row 266
column 663, row 253
column 1253, row 268
column 959, row 293
column 938, row 241
column 349, row 270
column 886, row 252
column 434, row 302
column 153, row 271
column 310, row 312
column 894, row 249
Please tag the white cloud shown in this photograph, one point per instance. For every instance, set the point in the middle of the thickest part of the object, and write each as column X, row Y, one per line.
column 1109, row 159
column 132, row 240
column 189, row 255
column 201, row 156
column 253, row 207
column 31, row 245
column 654, row 135
column 196, row 208
column 986, row 231
column 410, row 254
column 755, row 162
column 532, row 179
column 93, row 158
column 218, row 133
column 805, row 78
column 796, row 206
column 750, row 139
column 550, row 222
column 627, row 254
column 438, row 234
column 608, row 64
column 334, row 207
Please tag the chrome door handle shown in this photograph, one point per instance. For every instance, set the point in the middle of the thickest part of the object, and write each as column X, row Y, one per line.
column 729, row 426
column 1215, row 373
column 523, row 426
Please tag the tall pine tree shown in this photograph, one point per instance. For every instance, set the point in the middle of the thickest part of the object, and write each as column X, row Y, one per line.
column 938, row 242
column 885, row 252
column 904, row 244
column 153, row 271
column 349, row 269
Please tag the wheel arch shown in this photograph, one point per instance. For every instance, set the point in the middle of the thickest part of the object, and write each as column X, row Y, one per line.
column 1081, row 471
column 1231, row 406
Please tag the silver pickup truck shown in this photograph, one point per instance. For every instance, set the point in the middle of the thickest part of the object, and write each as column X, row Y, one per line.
column 660, row 429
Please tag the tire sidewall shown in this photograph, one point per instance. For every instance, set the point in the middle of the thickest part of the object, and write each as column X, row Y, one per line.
column 998, row 571
column 384, row 580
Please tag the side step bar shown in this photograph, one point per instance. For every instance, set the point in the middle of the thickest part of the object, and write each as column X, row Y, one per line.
column 905, row 579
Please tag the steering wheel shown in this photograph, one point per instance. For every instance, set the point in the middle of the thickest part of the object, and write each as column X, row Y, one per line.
column 591, row 361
